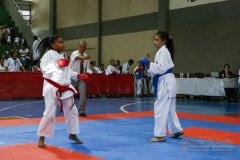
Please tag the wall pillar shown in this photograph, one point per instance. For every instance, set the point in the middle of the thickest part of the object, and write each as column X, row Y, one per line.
column 53, row 18
column 163, row 15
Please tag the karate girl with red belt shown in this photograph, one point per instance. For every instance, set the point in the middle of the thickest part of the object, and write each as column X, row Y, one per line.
column 57, row 89
column 164, row 88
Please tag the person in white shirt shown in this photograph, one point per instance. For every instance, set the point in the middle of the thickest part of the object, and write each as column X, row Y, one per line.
column 8, row 34
column 102, row 69
column 24, row 55
column 111, row 69
column 79, row 61
column 16, row 40
column 126, row 66
column 35, row 52
column 92, row 69
column 164, row 83
column 13, row 64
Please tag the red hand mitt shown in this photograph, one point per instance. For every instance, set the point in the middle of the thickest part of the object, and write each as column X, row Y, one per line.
column 83, row 76
column 63, row 62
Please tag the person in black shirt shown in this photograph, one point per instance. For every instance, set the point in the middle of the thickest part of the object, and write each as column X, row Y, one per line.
column 226, row 73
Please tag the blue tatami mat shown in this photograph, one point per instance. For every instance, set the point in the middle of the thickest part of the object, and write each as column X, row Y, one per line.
column 125, row 139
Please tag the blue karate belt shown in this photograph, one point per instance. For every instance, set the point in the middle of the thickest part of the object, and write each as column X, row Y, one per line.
column 155, row 81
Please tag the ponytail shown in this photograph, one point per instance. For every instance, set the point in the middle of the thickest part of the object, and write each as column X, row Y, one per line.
column 169, row 42
column 46, row 44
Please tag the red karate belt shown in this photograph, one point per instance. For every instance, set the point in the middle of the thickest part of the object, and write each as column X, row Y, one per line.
column 59, row 92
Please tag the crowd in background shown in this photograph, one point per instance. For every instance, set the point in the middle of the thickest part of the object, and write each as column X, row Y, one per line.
column 24, row 60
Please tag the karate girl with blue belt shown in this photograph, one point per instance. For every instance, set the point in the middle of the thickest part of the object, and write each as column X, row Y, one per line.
column 164, row 88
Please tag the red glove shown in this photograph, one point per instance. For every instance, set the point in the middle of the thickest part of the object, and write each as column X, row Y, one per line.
column 63, row 62
column 114, row 72
column 83, row 77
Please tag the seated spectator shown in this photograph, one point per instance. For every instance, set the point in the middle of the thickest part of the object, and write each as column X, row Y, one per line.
column 23, row 41
column 111, row 69
column 35, row 66
column 2, row 68
column 24, row 55
column 13, row 64
column 226, row 73
column 16, row 40
column 4, row 57
column 126, row 66
column 118, row 67
column 101, row 68
column 96, row 68
column 8, row 34
column 2, row 31
column 92, row 69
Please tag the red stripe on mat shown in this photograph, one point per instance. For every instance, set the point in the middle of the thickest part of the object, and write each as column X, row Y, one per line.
column 88, row 118
column 225, row 137
column 31, row 151
column 211, row 118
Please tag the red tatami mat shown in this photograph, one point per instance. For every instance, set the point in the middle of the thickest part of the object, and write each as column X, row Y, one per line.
column 211, row 118
column 32, row 152
column 213, row 135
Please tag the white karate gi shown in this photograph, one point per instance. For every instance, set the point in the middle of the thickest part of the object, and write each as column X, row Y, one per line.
column 138, row 82
column 165, row 103
column 110, row 70
column 125, row 68
column 60, row 75
column 90, row 71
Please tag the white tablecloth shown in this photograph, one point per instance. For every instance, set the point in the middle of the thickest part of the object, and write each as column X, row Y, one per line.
column 205, row 86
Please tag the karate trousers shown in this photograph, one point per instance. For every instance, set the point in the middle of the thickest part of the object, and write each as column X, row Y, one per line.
column 46, row 127
column 165, row 112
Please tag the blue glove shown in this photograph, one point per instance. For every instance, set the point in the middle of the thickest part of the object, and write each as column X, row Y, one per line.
column 144, row 61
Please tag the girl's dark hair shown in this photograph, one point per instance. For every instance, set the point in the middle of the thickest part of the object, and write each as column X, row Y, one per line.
column 46, row 44
column 169, row 42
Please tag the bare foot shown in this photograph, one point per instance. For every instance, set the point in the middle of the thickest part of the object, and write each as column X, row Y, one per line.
column 75, row 138
column 41, row 143
column 178, row 134
column 158, row 139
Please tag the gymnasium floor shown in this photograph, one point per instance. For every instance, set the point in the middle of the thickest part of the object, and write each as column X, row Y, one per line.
column 119, row 129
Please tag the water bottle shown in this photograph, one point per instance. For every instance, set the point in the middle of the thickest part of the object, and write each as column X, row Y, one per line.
column 187, row 75
column 181, row 75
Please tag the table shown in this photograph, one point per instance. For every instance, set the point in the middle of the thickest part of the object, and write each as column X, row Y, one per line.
column 30, row 84
column 205, row 86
